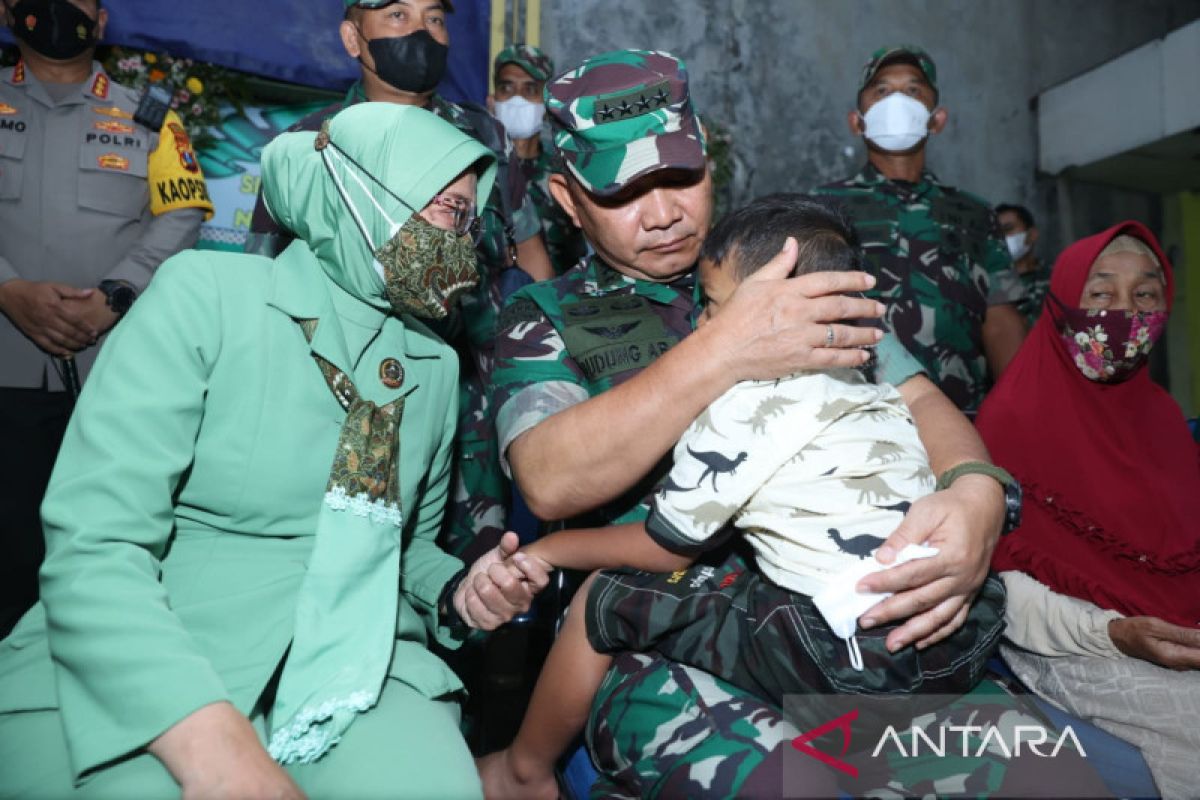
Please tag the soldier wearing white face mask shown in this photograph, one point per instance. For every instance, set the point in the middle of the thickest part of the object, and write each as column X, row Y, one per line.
column 521, row 72
column 943, row 268
column 1021, row 236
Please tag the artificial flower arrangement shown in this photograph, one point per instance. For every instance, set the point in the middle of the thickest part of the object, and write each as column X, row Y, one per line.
column 198, row 90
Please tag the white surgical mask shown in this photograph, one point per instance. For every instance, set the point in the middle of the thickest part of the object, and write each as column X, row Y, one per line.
column 1017, row 246
column 897, row 122
column 522, row 119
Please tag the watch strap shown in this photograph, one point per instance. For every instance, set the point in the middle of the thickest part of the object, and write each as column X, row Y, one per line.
column 1000, row 474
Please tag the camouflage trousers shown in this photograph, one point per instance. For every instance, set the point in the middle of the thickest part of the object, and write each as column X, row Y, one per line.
column 659, row 728
column 741, row 627
column 478, row 510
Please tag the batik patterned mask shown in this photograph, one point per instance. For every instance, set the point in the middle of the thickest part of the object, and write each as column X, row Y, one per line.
column 425, row 268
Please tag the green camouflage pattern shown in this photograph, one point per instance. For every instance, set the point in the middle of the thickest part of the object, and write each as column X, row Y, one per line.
column 564, row 241
column 624, row 114
column 480, row 490
column 900, row 52
column 659, row 728
column 574, row 337
column 773, row 642
column 1037, row 286
column 529, row 58
column 940, row 260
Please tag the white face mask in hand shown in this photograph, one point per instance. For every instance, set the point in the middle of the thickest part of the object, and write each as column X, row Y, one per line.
column 897, row 122
column 842, row 604
column 522, row 119
column 1017, row 246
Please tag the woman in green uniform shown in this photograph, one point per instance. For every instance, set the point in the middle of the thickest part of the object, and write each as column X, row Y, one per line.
column 260, row 460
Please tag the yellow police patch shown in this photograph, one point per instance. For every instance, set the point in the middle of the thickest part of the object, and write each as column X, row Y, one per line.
column 112, row 126
column 7, row 111
column 113, row 161
column 175, row 178
column 113, row 111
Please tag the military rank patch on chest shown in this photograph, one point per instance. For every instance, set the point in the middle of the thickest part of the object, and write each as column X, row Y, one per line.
column 607, row 336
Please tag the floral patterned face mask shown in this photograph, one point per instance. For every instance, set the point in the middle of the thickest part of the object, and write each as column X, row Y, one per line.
column 1108, row 346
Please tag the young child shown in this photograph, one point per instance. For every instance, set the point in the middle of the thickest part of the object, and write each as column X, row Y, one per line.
column 815, row 470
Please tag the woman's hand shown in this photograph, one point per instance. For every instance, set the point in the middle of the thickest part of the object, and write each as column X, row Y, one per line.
column 934, row 594
column 497, row 588
column 215, row 753
column 1157, row 641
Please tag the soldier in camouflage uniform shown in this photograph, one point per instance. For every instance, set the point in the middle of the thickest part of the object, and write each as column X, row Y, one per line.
column 598, row 375
column 521, row 73
column 941, row 261
column 509, row 229
column 1021, row 236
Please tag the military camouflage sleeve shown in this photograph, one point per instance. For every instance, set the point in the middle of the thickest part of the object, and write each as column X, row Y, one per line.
column 894, row 364
column 534, row 377
column 1004, row 284
column 526, row 222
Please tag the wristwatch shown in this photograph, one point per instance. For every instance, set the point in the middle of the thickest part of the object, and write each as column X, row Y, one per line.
column 1012, row 489
column 118, row 294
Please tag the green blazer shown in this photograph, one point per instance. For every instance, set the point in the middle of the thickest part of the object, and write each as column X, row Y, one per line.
column 182, row 508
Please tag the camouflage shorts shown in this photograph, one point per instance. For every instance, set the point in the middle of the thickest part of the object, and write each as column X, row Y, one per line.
column 742, row 628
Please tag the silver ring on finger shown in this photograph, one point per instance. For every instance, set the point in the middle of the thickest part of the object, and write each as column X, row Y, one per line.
column 829, row 336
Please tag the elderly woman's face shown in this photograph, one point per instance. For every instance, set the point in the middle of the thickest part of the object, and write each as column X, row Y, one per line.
column 446, row 208
column 1124, row 282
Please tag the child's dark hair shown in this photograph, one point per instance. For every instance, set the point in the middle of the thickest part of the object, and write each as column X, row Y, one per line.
column 754, row 234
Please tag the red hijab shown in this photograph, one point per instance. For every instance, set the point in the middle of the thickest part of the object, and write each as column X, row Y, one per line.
column 1110, row 471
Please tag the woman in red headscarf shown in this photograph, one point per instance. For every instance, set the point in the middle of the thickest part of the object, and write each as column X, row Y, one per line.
column 1104, row 572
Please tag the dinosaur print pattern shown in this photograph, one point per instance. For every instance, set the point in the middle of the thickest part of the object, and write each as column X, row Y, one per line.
column 816, row 470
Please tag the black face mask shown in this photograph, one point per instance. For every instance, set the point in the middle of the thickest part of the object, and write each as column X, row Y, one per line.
column 53, row 28
column 413, row 63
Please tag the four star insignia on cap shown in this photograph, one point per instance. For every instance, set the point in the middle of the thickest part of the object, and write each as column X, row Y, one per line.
column 633, row 103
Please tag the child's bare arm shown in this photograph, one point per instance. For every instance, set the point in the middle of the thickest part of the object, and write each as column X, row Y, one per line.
column 625, row 545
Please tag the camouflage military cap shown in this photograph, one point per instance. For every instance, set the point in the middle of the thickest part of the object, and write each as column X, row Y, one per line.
column 529, row 58
column 901, row 52
column 624, row 114
column 381, row 3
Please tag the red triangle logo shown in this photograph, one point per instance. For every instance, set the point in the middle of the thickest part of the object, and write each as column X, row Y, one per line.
column 842, row 724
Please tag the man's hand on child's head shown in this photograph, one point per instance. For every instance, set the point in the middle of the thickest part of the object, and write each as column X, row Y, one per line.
column 774, row 326
column 934, row 594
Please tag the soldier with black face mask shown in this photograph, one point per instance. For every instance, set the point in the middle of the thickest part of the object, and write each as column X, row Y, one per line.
column 91, row 202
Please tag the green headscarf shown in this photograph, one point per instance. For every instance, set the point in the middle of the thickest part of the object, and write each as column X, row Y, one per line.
column 345, row 621
column 412, row 152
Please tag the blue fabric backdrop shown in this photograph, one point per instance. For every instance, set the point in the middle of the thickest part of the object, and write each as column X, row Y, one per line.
column 292, row 41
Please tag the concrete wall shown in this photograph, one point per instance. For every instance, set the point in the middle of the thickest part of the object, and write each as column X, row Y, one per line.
column 781, row 74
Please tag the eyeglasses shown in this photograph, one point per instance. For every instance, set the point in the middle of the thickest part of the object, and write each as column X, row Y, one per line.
column 466, row 221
